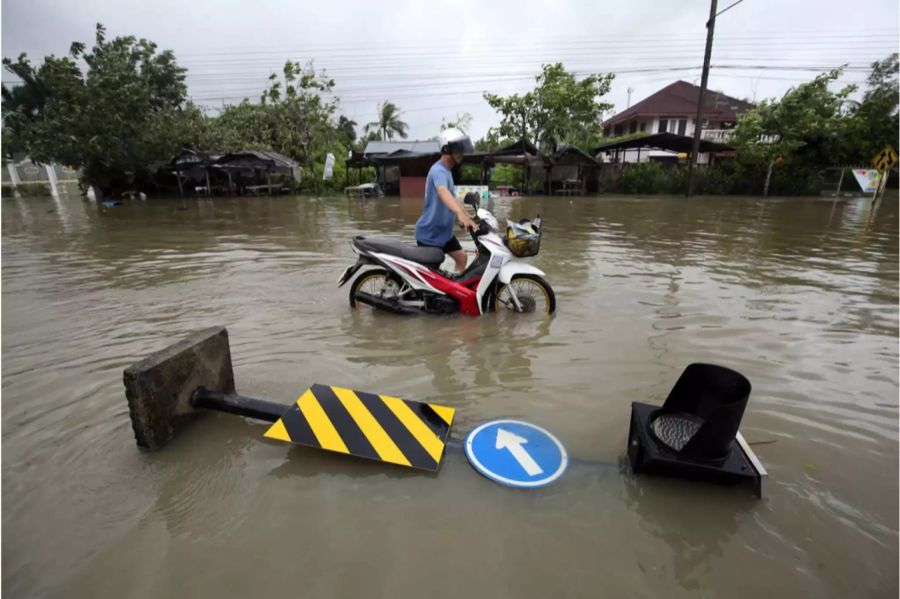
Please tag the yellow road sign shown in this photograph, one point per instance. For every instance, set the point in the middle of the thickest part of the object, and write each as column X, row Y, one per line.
column 885, row 159
column 366, row 425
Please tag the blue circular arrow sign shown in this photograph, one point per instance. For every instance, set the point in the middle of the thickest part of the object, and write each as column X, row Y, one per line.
column 516, row 454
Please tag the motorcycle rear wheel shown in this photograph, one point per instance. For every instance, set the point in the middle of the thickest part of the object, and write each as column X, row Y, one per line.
column 379, row 282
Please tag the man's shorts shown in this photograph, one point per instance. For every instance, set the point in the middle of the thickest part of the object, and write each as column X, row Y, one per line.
column 450, row 246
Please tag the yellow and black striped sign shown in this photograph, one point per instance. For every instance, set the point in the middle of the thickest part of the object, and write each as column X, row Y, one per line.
column 885, row 159
column 377, row 427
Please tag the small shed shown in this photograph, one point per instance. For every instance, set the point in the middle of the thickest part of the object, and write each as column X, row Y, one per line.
column 245, row 170
column 190, row 168
column 358, row 161
column 522, row 153
column 404, row 164
column 571, row 171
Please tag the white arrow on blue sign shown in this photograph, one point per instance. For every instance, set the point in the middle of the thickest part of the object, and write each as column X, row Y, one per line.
column 516, row 453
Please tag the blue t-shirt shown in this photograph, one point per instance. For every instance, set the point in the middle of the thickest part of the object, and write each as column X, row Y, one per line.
column 435, row 226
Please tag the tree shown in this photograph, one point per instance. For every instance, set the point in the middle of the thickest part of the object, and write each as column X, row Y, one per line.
column 294, row 117
column 561, row 109
column 300, row 121
column 105, row 120
column 874, row 121
column 804, row 129
column 462, row 121
column 491, row 141
column 347, row 129
column 388, row 123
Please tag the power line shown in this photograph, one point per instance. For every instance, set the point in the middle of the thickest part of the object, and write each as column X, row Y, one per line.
column 523, row 77
column 858, row 56
column 724, row 10
column 333, row 63
column 607, row 40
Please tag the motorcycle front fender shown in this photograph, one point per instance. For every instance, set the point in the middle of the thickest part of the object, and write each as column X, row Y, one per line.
column 511, row 269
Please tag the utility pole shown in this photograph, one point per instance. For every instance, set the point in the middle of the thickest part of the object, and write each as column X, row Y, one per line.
column 628, row 105
column 710, row 27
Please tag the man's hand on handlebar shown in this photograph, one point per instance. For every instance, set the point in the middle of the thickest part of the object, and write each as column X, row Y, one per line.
column 467, row 221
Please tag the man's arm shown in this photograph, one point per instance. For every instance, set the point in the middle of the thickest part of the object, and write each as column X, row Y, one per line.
column 456, row 207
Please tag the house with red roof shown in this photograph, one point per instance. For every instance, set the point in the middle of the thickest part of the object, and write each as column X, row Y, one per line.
column 673, row 110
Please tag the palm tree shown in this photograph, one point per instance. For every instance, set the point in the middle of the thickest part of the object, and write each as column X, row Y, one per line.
column 388, row 123
column 347, row 128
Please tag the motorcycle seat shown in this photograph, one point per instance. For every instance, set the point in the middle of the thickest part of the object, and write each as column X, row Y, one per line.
column 429, row 256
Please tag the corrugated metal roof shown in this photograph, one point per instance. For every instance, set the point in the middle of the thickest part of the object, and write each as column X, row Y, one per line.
column 664, row 141
column 256, row 159
column 401, row 156
column 572, row 154
column 415, row 147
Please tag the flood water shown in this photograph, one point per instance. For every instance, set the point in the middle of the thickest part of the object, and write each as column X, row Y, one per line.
column 800, row 295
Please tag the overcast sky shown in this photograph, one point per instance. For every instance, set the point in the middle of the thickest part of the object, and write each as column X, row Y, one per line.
column 434, row 59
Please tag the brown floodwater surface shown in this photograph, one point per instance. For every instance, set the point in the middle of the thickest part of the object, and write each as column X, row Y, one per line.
column 798, row 294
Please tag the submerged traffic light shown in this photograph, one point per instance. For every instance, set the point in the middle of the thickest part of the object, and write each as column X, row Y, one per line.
column 695, row 432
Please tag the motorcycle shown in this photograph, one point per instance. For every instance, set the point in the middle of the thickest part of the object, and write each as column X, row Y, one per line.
column 406, row 278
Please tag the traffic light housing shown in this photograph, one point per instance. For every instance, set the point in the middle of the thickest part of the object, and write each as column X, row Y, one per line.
column 695, row 433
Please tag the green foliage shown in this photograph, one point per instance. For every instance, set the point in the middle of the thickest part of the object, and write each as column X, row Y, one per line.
column 104, row 120
column 492, row 141
column 462, row 121
column 559, row 110
column 347, row 132
column 729, row 177
column 808, row 122
column 812, row 126
column 388, row 124
column 506, row 174
column 644, row 178
column 470, row 174
column 874, row 121
column 294, row 117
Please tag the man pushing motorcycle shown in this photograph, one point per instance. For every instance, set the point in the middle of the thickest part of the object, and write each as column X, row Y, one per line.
column 435, row 227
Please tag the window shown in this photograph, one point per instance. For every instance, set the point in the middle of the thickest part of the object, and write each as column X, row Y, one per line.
column 643, row 127
column 619, row 130
column 682, row 126
column 663, row 123
column 633, row 127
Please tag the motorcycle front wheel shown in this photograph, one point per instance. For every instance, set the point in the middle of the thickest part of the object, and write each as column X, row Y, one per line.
column 378, row 282
column 533, row 292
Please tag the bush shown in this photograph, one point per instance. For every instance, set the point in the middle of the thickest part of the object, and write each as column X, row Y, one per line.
column 506, row 174
column 33, row 190
column 728, row 177
column 644, row 178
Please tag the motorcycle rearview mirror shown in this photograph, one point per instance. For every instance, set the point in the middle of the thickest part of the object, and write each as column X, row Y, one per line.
column 472, row 200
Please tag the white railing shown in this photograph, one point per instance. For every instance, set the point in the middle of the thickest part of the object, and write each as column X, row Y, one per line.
column 719, row 136
column 723, row 136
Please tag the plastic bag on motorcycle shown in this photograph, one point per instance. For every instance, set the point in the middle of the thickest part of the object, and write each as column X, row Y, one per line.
column 523, row 238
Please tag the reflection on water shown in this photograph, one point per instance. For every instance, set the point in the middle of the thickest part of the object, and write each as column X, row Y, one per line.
column 798, row 294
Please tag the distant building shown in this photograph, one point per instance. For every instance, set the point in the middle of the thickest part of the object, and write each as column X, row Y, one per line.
column 672, row 110
column 404, row 165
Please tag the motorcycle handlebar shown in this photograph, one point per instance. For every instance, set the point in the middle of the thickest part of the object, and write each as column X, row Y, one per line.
column 483, row 229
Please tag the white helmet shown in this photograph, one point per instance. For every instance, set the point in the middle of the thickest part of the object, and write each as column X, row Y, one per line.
column 454, row 140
